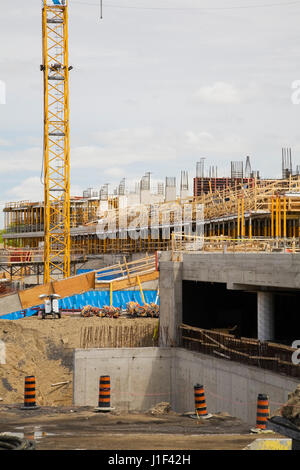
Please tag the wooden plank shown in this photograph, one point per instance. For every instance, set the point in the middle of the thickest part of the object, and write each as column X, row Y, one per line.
column 126, row 284
column 71, row 286
column 91, row 279
column 30, row 297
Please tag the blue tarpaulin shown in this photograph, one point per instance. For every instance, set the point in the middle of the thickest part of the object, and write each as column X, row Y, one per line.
column 102, row 276
column 101, row 298
column 17, row 315
column 94, row 298
column 83, row 271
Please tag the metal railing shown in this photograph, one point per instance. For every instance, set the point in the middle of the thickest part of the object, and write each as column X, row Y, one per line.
column 186, row 243
column 266, row 355
column 126, row 270
column 28, row 255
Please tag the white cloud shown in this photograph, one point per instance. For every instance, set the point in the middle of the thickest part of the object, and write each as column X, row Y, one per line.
column 4, row 143
column 28, row 159
column 115, row 172
column 220, row 92
column 30, row 189
column 122, row 147
column 203, row 141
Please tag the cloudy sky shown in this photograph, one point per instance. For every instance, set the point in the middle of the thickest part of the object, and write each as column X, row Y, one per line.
column 156, row 86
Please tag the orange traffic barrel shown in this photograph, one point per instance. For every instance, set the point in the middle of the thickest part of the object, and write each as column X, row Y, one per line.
column 200, row 402
column 263, row 411
column 29, row 393
column 104, row 394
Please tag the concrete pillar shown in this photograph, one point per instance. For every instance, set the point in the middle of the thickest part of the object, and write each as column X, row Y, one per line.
column 170, row 302
column 265, row 316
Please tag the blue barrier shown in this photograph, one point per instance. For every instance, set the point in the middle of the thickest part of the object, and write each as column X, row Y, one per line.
column 20, row 314
column 101, row 298
column 94, row 298
column 83, row 271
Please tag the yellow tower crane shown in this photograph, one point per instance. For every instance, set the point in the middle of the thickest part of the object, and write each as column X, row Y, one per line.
column 56, row 140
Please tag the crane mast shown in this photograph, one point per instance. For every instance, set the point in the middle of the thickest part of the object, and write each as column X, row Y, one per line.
column 56, row 140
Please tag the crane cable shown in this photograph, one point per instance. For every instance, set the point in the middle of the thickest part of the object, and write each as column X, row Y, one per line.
column 232, row 7
column 11, row 442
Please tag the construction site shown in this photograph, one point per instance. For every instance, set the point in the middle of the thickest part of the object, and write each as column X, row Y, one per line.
column 116, row 305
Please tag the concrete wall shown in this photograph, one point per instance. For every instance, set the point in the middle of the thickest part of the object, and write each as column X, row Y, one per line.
column 170, row 301
column 229, row 386
column 10, row 303
column 251, row 269
column 143, row 377
column 140, row 377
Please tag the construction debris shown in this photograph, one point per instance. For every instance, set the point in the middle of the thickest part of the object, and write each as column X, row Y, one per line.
column 134, row 309
column 106, row 311
column 111, row 311
column 291, row 409
column 60, row 383
column 160, row 409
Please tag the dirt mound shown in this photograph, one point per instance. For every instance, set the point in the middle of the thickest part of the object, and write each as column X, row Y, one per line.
column 44, row 348
column 291, row 409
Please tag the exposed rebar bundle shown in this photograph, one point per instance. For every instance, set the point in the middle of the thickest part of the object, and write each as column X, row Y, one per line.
column 287, row 168
column 184, row 182
column 248, row 168
column 200, row 168
column 237, row 170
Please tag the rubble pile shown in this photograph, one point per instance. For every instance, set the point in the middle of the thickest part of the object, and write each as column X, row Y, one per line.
column 106, row 311
column 291, row 409
column 147, row 310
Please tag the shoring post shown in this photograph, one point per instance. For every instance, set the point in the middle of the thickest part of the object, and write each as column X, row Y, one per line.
column 272, row 217
column 141, row 290
column 111, row 293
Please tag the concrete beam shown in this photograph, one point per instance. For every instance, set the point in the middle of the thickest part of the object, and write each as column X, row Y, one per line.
column 170, row 288
column 268, row 270
column 265, row 316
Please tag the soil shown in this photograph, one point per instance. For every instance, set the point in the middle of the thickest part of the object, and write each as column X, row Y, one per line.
column 44, row 348
column 81, row 428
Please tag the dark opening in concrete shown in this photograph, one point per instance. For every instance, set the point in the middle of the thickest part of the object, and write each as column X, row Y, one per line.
column 286, row 311
column 212, row 305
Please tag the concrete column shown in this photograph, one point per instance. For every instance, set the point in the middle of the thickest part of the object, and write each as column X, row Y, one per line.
column 170, row 302
column 265, row 316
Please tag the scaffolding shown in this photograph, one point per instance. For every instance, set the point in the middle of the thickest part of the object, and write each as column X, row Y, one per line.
column 253, row 209
column 56, row 140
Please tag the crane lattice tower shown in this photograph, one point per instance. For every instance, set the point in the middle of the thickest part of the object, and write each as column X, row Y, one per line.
column 56, row 140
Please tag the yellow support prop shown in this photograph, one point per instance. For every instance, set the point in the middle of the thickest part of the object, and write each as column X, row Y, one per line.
column 111, row 293
column 272, row 217
column 238, row 218
column 242, row 218
column 141, row 290
column 284, row 217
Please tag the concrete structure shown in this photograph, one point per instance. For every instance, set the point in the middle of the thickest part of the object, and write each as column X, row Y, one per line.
column 144, row 377
column 140, row 377
column 265, row 316
column 263, row 273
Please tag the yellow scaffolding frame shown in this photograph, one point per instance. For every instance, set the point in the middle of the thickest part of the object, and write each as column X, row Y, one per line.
column 56, row 141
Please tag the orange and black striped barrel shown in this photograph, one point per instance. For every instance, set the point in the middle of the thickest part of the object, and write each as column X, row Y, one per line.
column 29, row 392
column 263, row 411
column 200, row 402
column 104, row 391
